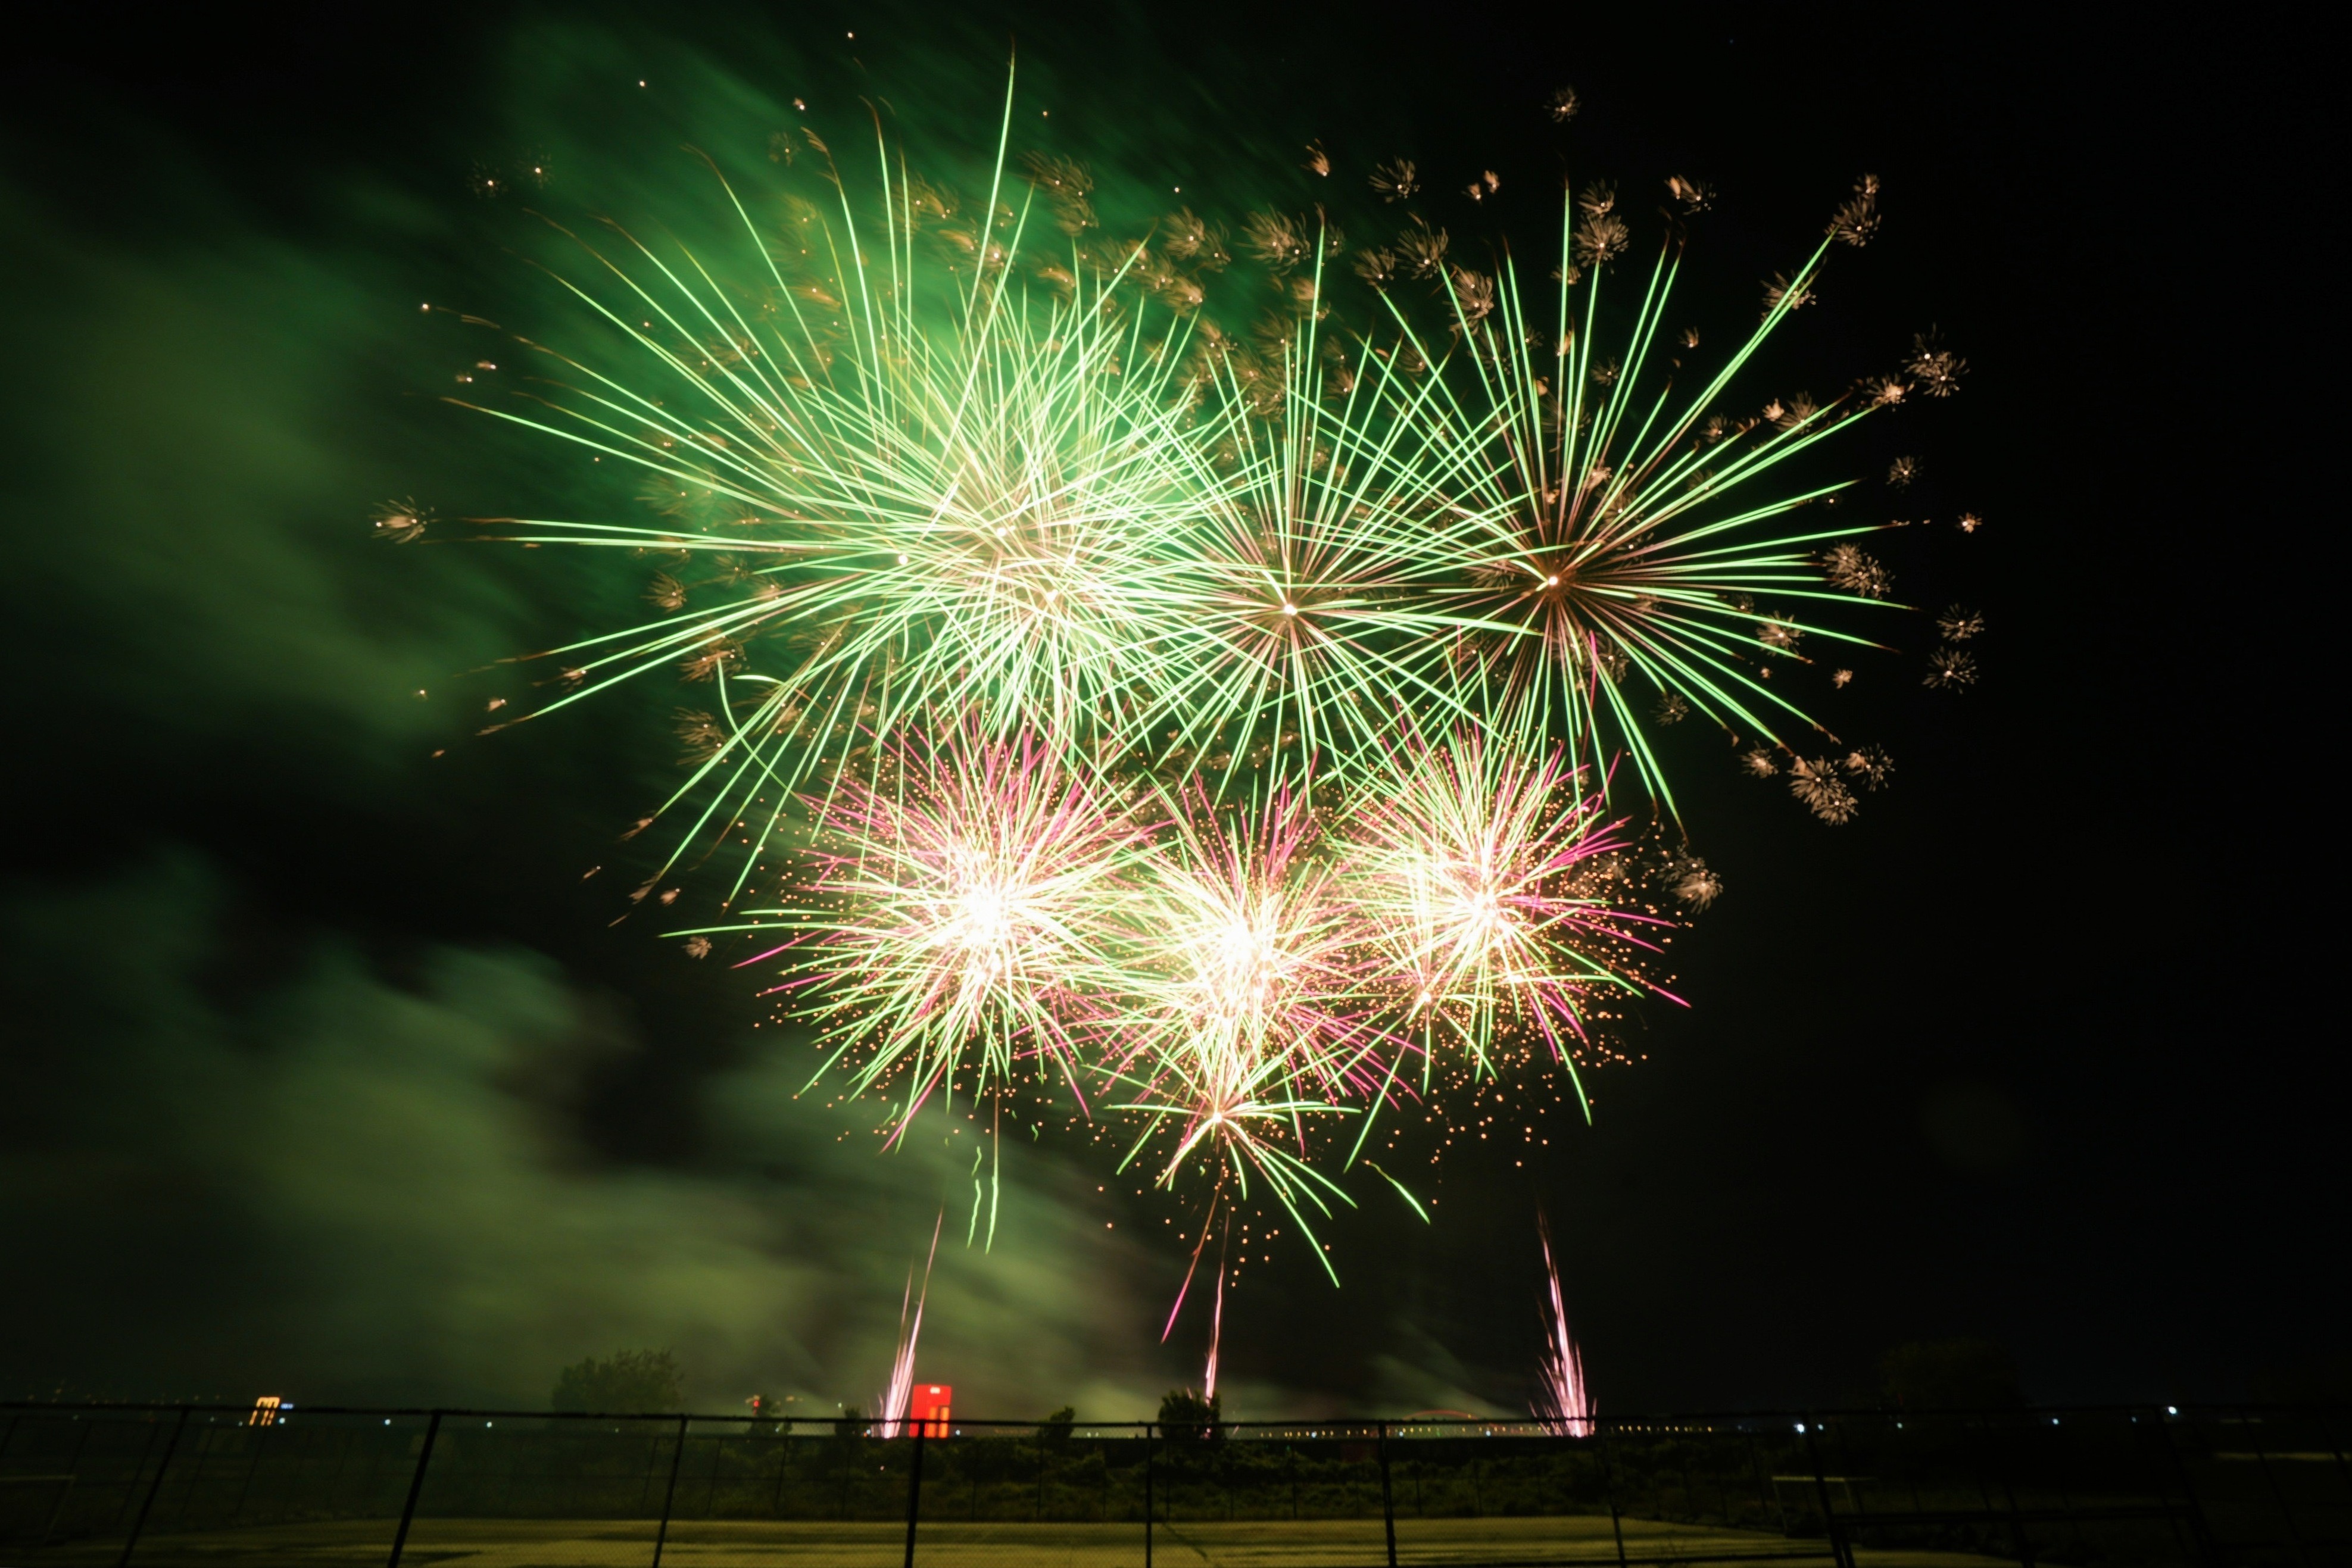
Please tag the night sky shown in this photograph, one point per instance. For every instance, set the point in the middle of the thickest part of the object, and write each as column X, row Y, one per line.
column 328, row 1074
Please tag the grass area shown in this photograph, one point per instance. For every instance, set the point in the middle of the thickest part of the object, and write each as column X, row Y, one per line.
column 1244, row 1543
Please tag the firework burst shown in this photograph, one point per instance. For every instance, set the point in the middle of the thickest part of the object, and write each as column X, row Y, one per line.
column 1248, row 1020
column 965, row 899
column 1312, row 624
column 906, row 488
column 1482, row 874
column 1593, row 530
column 1217, row 729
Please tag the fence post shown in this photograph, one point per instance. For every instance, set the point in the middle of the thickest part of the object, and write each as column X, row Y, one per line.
column 1388, row 1502
column 2278, row 1493
column 1839, row 1549
column 2336, row 1447
column 2198, row 1532
column 416, row 1490
column 1609, row 1478
column 783, row 1467
column 1151, row 1464
column 2016, row 1519
column 669, row 1493
column 915, row 1491
column 2152, row 1436
column 152, row 1488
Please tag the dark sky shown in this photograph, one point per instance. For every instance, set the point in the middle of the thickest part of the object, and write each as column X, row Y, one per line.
column 328, row 1075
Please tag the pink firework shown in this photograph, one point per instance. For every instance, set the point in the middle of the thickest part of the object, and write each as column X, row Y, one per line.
column 1216, row 1337
column 965, row 905
column 901, row 1392
column 1489, row 885
column 1244, row 1018
column 1562, row 1404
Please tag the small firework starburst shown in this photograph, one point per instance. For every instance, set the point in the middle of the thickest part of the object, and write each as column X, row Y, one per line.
column 1395, row 179
column 1479, row 874
column 1671, row 708
column 401, row 522
column 1855, row 570
column 1377, row 268
column 1796, row 292
column 1957, row 625
column 1473, row 295
column 1871, row 765
column 1562, row 105
column 1600, row 238
column 1903, row 472
column 1856, row 221
column 1884, row 391
column 1760, row 763
column 1695, row 197
column 1950, row 668
column 1690, row 880
column 964, row 900
column 1421, row 249
column 1816, row 782
column 1936, row 369
column 664, row 592
column 1276, row 239
column 700, row 735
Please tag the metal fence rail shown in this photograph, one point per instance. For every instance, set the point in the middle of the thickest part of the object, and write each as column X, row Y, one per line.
column 2108, row 1487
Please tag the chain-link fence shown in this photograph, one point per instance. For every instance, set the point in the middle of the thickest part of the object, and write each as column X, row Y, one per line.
column 165, row 1485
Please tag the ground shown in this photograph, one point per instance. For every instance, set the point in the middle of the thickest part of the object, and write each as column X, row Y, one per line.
column 1319, row 1543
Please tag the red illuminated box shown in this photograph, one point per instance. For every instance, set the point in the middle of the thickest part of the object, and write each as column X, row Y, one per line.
column 928, row 1409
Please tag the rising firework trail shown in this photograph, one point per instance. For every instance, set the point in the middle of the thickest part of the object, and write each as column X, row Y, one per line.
column 900, row 1394
column 1561, row 1403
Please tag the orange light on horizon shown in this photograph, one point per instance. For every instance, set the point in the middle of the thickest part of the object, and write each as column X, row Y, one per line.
column 929, row 1409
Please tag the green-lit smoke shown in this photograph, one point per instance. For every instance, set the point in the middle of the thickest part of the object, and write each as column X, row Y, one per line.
column 352, row 1186
column 341, row 1147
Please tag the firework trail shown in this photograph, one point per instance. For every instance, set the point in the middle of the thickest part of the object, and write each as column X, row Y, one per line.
column 896, row 1400
column 1562, row 1406
column 1216, row 1338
